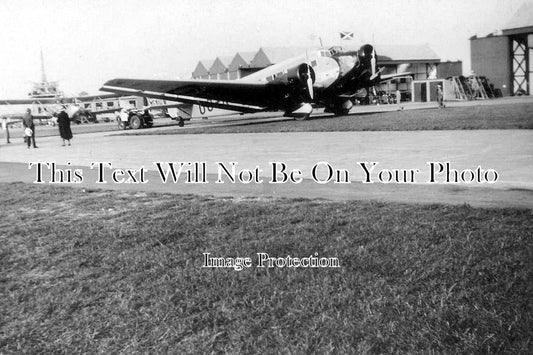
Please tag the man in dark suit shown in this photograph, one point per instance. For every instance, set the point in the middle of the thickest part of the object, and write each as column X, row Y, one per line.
column 27, row 122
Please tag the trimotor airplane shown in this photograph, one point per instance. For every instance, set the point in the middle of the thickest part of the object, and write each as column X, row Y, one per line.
column 329, row 78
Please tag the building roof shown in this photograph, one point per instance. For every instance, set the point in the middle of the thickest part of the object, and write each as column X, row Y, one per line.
column 270, row 55
column 247, row 56
column 240, row 60
column 402, row 53
column 522, row 19
column 203, row 67
column 220, row 65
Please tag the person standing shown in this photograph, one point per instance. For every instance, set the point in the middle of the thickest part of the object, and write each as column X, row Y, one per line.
column 63, row 121
column 440, row 96
column 5, row 127
column 399, row 99
column 27, row 122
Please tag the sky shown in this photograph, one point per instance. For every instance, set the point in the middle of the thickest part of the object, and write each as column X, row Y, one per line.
column 86, row 43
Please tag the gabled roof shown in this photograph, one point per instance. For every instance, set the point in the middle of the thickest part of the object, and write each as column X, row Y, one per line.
column 220, row 65
column 270, row 55
column 241, row 59
column 202, row 68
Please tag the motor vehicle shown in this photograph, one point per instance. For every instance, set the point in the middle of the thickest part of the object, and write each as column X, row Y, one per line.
column 135, row 119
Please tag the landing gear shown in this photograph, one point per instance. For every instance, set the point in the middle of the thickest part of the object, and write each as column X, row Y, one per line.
column 340, row 108
column 302, row 117
column 341, row 112
column 301, row 113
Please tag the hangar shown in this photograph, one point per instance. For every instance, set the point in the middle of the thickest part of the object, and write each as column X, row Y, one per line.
column 505, row 56
column 220, row 68
column 202, row 69
column 239, row 65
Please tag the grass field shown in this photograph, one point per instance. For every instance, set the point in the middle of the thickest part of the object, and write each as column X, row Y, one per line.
column 495, row 116
column 90, row 271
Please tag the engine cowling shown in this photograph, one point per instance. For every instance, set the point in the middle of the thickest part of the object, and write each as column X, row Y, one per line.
column 302, row 77
column 368, row 58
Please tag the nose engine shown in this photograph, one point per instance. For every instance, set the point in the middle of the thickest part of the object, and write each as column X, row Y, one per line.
column 368, row 58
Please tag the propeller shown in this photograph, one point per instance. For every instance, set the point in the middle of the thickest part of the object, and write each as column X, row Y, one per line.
column 373, row 62
column 309, row 82
column 307, row 76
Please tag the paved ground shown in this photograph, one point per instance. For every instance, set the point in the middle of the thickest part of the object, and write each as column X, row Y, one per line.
column 509, row 152
column 162, row 124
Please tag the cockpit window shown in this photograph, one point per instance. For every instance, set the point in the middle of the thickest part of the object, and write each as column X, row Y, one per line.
column 335, row 50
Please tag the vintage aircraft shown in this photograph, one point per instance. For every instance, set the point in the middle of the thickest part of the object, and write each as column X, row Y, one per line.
column 328, row 78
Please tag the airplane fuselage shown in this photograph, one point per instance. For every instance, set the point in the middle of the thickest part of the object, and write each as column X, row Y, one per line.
column 336, row 76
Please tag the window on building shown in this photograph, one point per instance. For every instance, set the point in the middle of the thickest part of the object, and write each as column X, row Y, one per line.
column 110, row 104
column 431, row 71
column 98, row 105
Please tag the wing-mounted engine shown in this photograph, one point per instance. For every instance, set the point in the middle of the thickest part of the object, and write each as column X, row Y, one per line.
column 300, row 80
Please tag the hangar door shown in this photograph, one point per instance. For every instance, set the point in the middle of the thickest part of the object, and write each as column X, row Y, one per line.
column 426, row 90
column 433, row 90
column 420, row 92
column 521, row 58
column 530, row 60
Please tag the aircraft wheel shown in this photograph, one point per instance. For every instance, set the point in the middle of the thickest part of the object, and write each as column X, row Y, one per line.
column 302, row 117
column 181, row 123
column 135, row 122
column 341, row 112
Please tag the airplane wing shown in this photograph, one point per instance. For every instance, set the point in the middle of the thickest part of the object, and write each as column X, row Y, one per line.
column 392, row 76
column 233, row 95
column 97, row 97
column 164, row 106
column 28, row 101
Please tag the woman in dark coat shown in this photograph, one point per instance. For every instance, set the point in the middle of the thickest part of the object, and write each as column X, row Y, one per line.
column 63, row 122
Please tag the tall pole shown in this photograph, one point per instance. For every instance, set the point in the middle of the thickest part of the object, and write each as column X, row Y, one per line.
column 43, row 74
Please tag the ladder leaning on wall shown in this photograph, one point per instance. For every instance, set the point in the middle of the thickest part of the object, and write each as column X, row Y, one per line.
column 461, row 90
